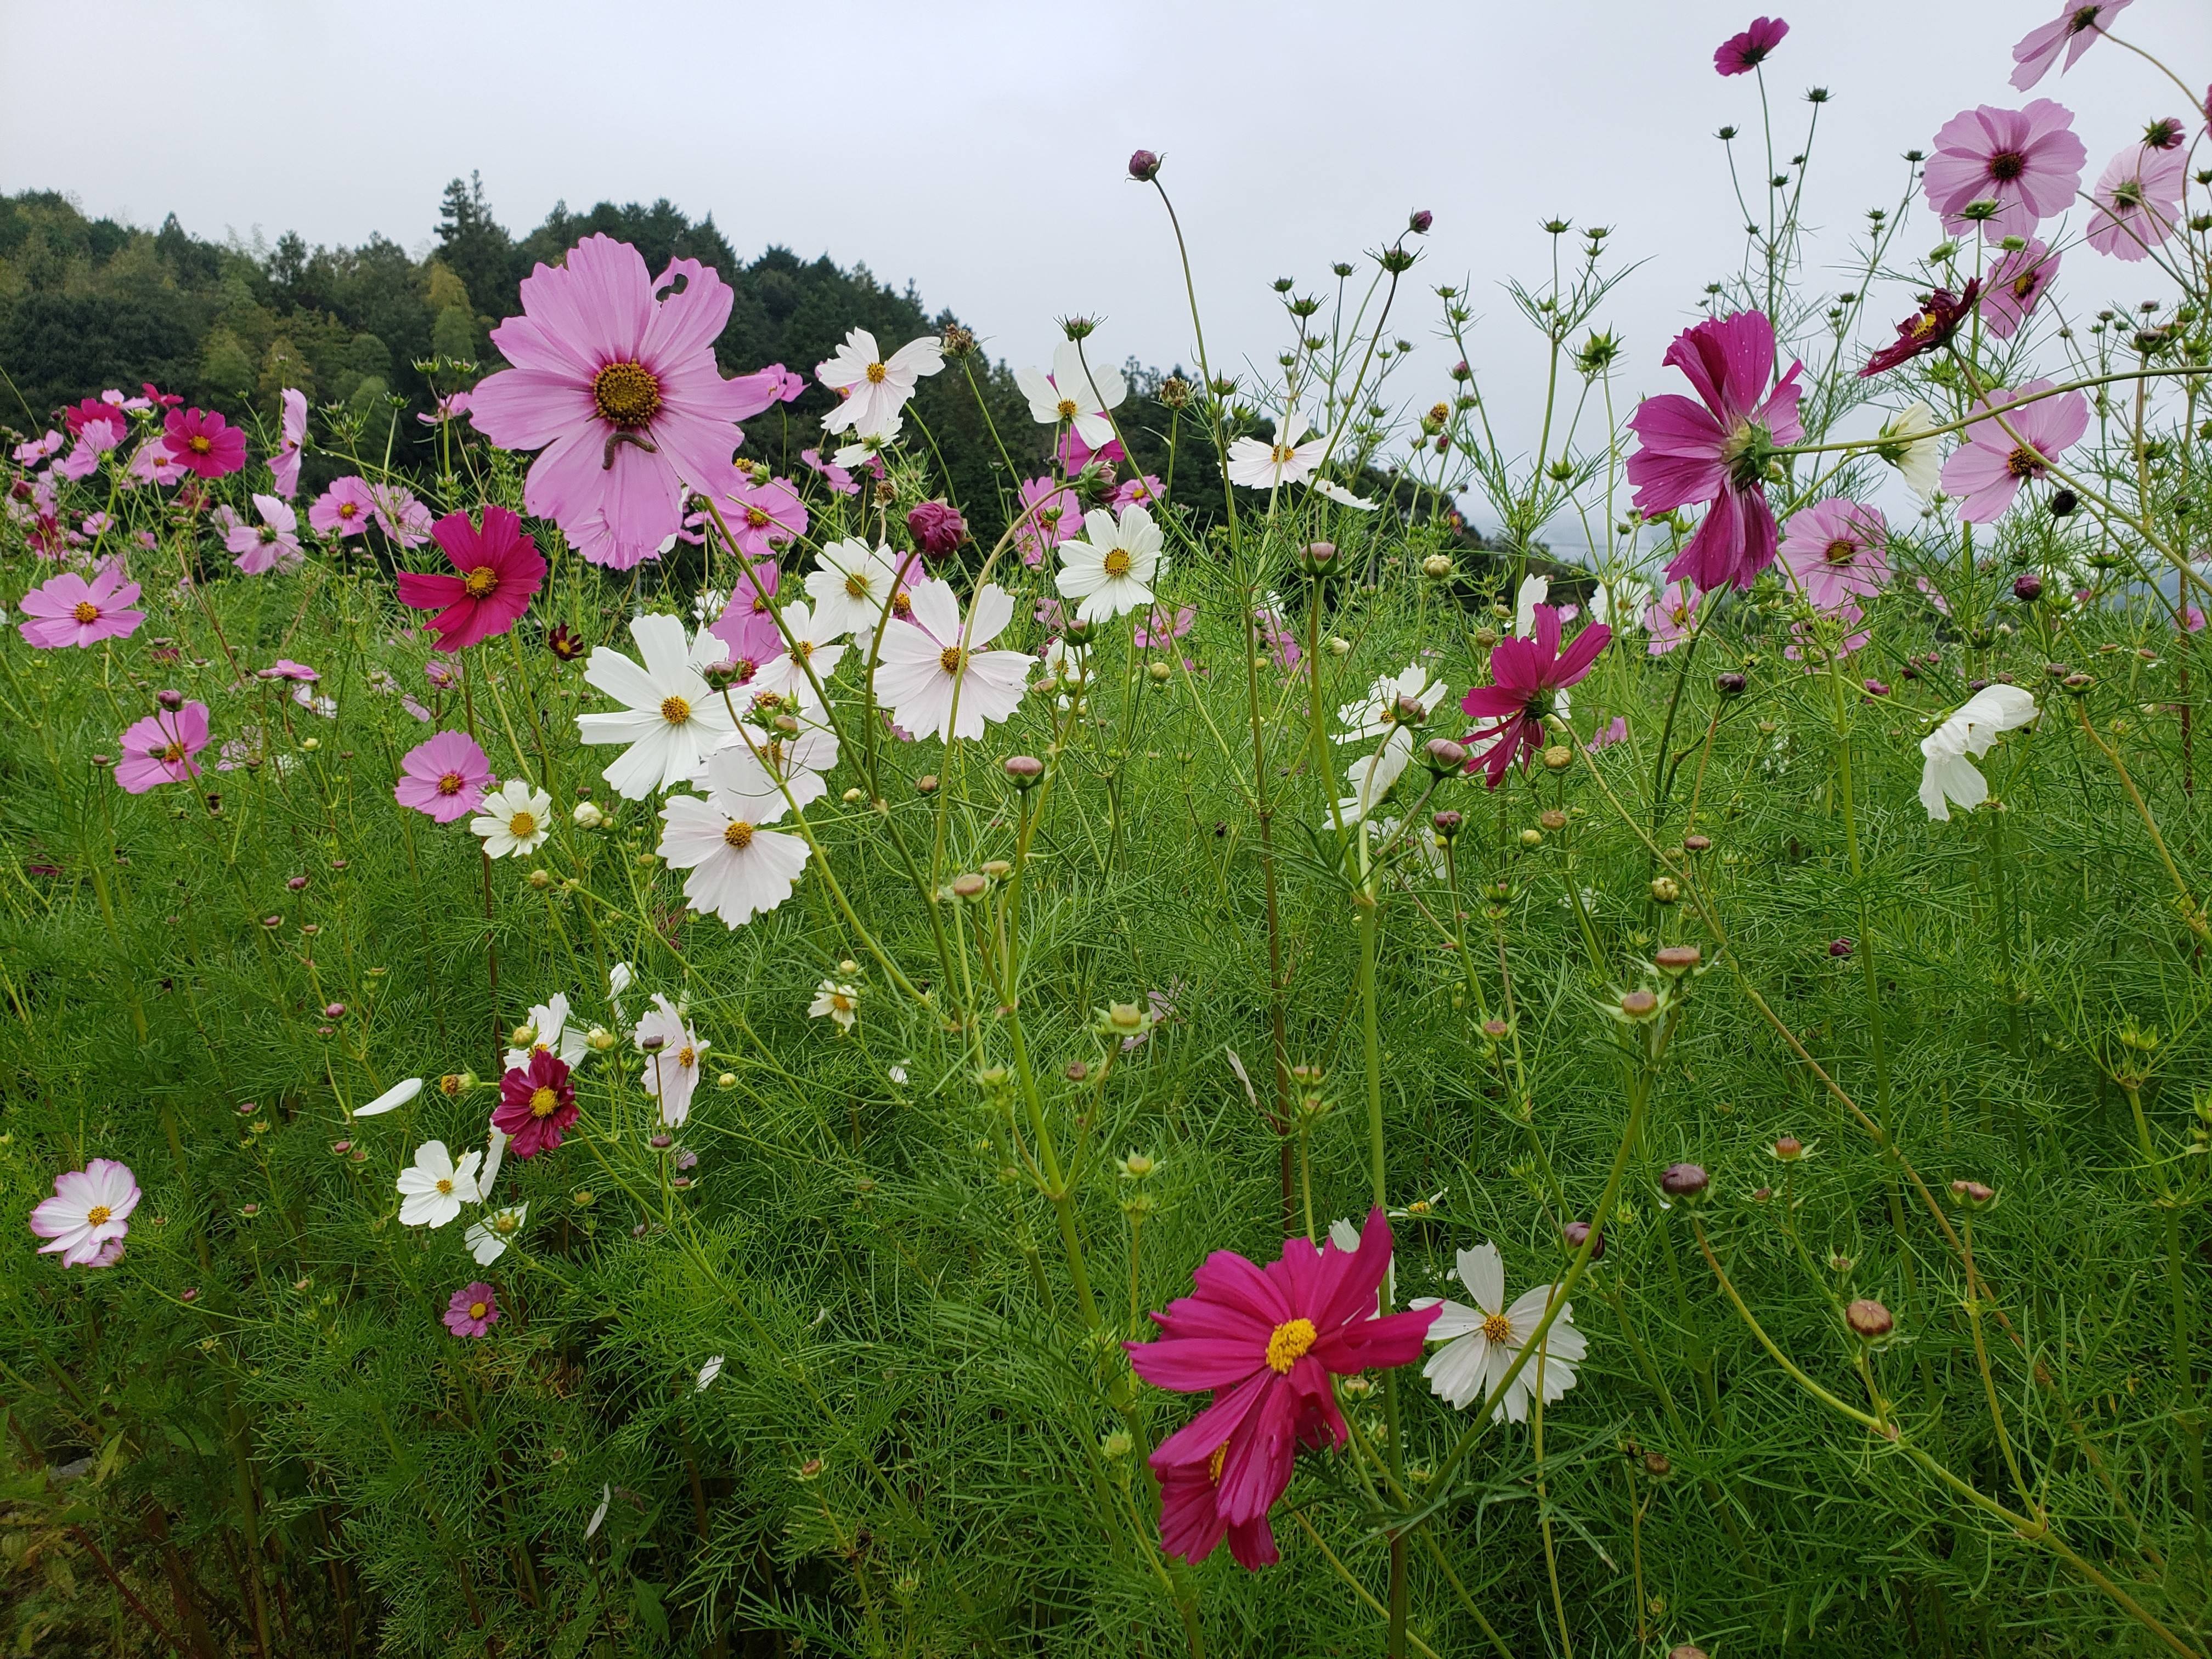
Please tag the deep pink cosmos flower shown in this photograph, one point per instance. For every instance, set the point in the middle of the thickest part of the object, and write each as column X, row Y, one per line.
column 204, row 443
column 748, row 627
column 1740, row 54
column 1932, row 325
column 536, row 1104
column 345, row 509
column 1526, row 674
column 614, row 380
column 1836, row 548
column 114, row 424
column 2016, row 282
column 500, row 567
column 1267, row 1340
column 937, row 528
column 2028, row 161
column 1987, row 470
column 1670, row 619
column 67, row 610
column 160, row 749
column 2137, row 201
column 473, row 1310
column 86, row 1219
column 292, row 438
column 445, row 777
column 762, row 518
column 1191, row 1521
column 1075, row 454
column 1050, row 515
column 2073, row 32
column 1718, row 452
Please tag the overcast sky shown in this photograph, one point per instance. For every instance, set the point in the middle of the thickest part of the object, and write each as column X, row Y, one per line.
column 978, row 149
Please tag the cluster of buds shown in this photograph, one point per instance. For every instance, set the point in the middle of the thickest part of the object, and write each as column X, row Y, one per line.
column 1308, row 1102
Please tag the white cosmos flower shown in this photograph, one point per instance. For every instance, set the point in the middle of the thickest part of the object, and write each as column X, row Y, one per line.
column 1372, row 775
column 514, row 819
column 618, row 980
column 807, row 647
column 877, row 386
column 1258, row 465
column 671, row 1073
column 1532, row 592
column 488, row 1237
column 708, row 1372
column 937, row 678
column 839, row 1002
column 1075, row 394
column 768, row 776
column 1343, row 497
column 1949, row 775
column 738, row 868
column 552, row 1033
column 1480, row 1343
column 494, row 1151
column 852, row 455
column 1377, row 714
column 672, row 719
column 1112, row 567
column 392, row 1098
column 1918, row 459
column 850, row 585
column 431, row 1194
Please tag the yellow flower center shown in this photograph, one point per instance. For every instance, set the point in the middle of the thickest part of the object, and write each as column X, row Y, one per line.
column 171, row 754
column 86, row 612
column 1283, row 454
column 522, row 825
column 1497, row 1327
column 627, row 394
column 878, row 374
column 1068, row 410
column 478, row 1310
column 950, row 657
column 687, row 1057
column 841, row 1002
column 1117, row 562
column 2024, row 463
column 1289, row 1344
column 802, row 649
column 1925, row 325
column 674, row 710
column 856, row 586
column 349, row 509
column 97, row 1214
column 543, row 1101
column 740, row 835
column 901, row 604
column 199, row 443
column 480, row 582
column 444, row 1183
column 1213, row 1463
column 451, row 784
column 757, row 518
column 1840, row 552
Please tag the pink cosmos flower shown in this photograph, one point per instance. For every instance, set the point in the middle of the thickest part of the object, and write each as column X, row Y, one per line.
column 160, row 749
column 536, row 1102
column 1933, row 594
column 1803, row 640
column 103, row 422
column 451, row 407
column 1836, row 548
column 400, row 516
column 1280, row 640
column 747, row 626
column 1146, row 492
column 1267, row 1340
column 204, row 443
column 2028, row 161
column 67, row 609
column 2073, row 32
column 445, row 777
column 500, row 570
column 155, row 397
column 614, row 380
column 1741, row 53
column 1718, row 452
column 1606, row 736
column 292, row 438
column 762, row 518
column 473, row 1310
column 2136, row 203
column 37, row 450
column 151, row 463
column 285, row 669
column 2016, row 282
column 1160, row 628
column 1670, row 619
column 2192, row 619
column 1075, row 454
column 86, row 1219
column 834, row 476
column 345, row 509
column 1987, row 470
column 1526, row 674
column 1049, row 515
column 788, row 386
column 272, row 544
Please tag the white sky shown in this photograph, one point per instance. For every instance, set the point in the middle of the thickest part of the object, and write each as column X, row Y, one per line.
column 978, row 148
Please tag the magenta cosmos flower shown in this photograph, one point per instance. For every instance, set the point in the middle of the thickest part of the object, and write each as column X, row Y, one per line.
column 1718, row 453
column 473, row 1310
column 2028, row 161
column 1191, row 1521
column 500, row 567
column 614, row 379
column 1837, row 549
column 1987, row 470
column 2073, row 32
column 2016, row 282
column 536, row 1104
column 1267, row 1340
column 345, row 509
column 160, row 749
column 1925, row 330
column 85, row 1221
column 67, row 610
column 204, row 443
column 292, row 438
column 2137, row 201
column 1526, row 674
column 762, row 518
column 445, row 777
column 1740, row 54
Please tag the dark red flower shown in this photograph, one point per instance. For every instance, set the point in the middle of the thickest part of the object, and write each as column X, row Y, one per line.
column 564, row 643
column 1526, row 674
column 536, row 1104
column 1935, row 323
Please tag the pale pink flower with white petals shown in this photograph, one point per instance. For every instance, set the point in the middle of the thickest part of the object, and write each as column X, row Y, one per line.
column 272, row 544
column 86, row 1219
column 672, row 1070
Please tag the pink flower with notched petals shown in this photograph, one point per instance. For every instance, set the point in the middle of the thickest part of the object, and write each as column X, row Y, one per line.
column 762, row 518
column 1715, row 449
column 614, row 383
column 67, row 609
column 2028, row 161
column 1986, row 471
column 834, row 476
column 1146, row 492
column 2073, row 32
column 160, row 749
column 1048, row 513
column 1837, row 549
column 345, row 509
column 1805, row 640
column 400, row 516
column 1278, row 640
column 2136, row 203
column 1162, row 627
column 272, row 544
column 1266, row 1341
column 2016, row 282
column 1740, row 54
column 500, row 570
column 86, row 1219
column 445, row 777
column 473, row 1310
column 151, row 463
column 1526, row 674
column 204, row 443
column 291, row 439
column 37, row 449
column 1670, row 619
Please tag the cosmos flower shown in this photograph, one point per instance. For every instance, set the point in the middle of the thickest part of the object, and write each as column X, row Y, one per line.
column 672, row 1071
column 2073, row 32
column 292, row 438
column 835, row 1000
column 553, row 1032
column 473, row 1310
column 876, row 387
column 1837, row 549
column 1527, row 674
column 431, row 1194
column 672, row 720
column 614, row 382
column 2016, row 282
column 445, row 777
column 747, row 625
column 272, row 544
column 839, row 480
column 1949, row 774
column 2028, row 161
column 447, row 409
column 1288, row 457
column 513, row 820
column 1379, row 713
column 536, row 1101
column 1191, row 1521
column 1075, row 393
column 1988, row 470
column 1481, row 1342
column 67, row 609
column 739, row 868
column 1927, row 329
column 936, row 676
column 851, row 586
column 204, row 443
column 1740, row 54
column 161, row 749
column 400, row 516
column 89, row 1214
column 2136, row 203
column 1670, row 619
column 499, row 568
column 1112, row 567
column 809, row 657
column 762, row 518
column 346, row 508
column 1047, row 514
column 489, row 1235
column 1918, row 459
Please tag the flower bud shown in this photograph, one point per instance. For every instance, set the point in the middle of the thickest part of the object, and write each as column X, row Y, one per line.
column 937, row 528
column 1318, row 558
column 1972, row 1195
column 925, row 784
column 1559, row 757
column 653, row 1044
column 171, row 700
column 1639, row 1004
column 1789, row 1148
column 1659, row 1466
column 1420, row 221
column 1023, row 771
column 1684, row 1181
column 1685, row 1650
column 1730, row 684
column 599, row 1039
column 971, row 885
column 2077, row 685
column 1678, row 960
column 1577, row 1231
column 2027, row 588
column 1839, row 948
column 1443, row 756
column 587, row 816
column 1532, row 837
column 1869, row 1320
column 1436, row 565
column 1695, row 843
column 1144, row 166
column 1446, row 825
column 1552, row 820
column 334, row 1010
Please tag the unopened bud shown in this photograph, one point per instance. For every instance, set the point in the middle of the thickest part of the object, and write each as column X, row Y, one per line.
column 1679, row 959
column 1443, row 756
column 1789, row 1148
column 1665, row 889
column 1577, row 1231
column 1022, row 770
column 1684, row 1181
column 170, row 700
column 1144, row 166
column 1318, row 558
column 1446, row 824
column 1868, row 1319
column 1639, row 1004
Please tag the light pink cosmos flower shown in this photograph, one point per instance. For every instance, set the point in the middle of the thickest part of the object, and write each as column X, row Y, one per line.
column 671, row 1069
column 1049, row 514
column 1836, row 548
column 2028, row 161
column 1146, row 491
column 272, row 544
column 30, row 453
column 86, row 1219
column 2136, row 203
column 67, row 609
column 345, row 509
column 834, row 476
column 472, row 1311
column 747, row 624
column 762, row 518
column 445, row 777
column 292, row 438
column 1161, row 626
column 615, row 381
column 2016, row 282
column 1605, row 736
column 2073, row 32
column 1670, row 619
column 400, row 516
column 1987, row 470
column 451, row 407
column 1803, row 641
column 160, row 749
column 1718, row 453
column 151, row 463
